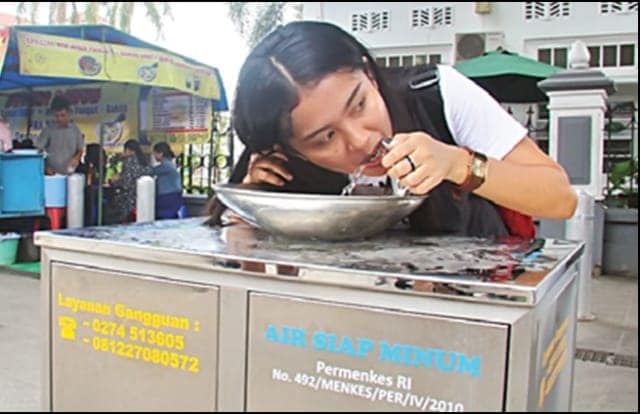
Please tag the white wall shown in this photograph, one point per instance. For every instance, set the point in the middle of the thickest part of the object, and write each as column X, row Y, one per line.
column 521, row 36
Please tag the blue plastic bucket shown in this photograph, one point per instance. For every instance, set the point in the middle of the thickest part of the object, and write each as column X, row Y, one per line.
column 8, row 248
column 55, row 191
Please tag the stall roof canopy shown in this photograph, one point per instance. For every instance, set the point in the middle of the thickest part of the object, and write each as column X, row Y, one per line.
column 11, row 78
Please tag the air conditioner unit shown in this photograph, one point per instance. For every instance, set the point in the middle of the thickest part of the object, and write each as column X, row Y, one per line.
column 483, row 7
column 471, row 45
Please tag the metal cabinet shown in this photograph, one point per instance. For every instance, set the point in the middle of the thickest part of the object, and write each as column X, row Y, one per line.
column 122, row 342
column 172, row 315
column 304, row 354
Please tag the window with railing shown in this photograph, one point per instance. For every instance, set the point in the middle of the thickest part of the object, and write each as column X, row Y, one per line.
column 546, row 10
column 618, row 7
column 432, row 16
column 409, row 60
column 557, row 56
column 606, row 56
column 371, row 21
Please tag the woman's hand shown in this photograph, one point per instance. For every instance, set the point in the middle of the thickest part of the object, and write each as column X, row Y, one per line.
column 421, row 162
column 268, row 168
column 229, row 217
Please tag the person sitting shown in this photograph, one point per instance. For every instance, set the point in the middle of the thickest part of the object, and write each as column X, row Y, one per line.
column 168, row 184
column 135, row 165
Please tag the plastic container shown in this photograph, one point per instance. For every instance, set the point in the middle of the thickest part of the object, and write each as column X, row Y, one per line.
column 22, row 185
column 55, row 191
column 25, row 151
column 8, row 248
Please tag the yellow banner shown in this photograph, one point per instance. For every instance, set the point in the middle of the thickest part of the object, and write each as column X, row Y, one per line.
column 177, row 118
column 56, row 56
column 110, row 109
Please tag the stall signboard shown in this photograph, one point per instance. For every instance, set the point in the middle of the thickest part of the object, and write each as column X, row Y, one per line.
column 58, row 56
column 110, row 109
column 4, row 45
column 177, row 118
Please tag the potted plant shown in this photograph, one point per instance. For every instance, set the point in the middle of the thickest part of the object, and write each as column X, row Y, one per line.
column 619, row 255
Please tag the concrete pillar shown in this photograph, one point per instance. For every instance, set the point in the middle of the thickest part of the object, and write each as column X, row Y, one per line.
column 577, row 105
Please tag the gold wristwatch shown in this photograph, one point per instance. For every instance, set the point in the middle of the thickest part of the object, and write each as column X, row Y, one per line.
column 477, row 171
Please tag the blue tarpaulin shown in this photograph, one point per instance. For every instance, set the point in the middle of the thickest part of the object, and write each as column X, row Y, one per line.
column 11, row 79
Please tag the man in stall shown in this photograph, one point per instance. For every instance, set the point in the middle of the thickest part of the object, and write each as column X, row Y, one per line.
column 63, row 142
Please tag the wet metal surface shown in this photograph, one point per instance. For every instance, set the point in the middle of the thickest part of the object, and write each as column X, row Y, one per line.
column 398, row 260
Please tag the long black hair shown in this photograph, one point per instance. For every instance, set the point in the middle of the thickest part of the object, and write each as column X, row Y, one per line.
column 298, row 54
column 134, row 146
column 59, row 102
column 164, row 149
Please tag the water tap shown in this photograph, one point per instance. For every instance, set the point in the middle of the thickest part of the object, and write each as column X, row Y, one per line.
column 397, row 188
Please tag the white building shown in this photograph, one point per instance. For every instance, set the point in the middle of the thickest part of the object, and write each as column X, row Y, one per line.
column 410, row 33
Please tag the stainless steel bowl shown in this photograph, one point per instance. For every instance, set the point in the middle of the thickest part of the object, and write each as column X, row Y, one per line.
column 316, row 216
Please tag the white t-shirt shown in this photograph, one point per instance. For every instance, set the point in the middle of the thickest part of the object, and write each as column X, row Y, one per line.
column 475, row 119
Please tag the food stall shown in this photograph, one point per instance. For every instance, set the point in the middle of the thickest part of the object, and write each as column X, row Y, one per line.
column 175, row 315
column 119, row 87
column 106, row 75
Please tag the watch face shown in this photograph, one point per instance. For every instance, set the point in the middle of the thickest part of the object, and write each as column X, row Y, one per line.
column 477, row 172
column 477, row 167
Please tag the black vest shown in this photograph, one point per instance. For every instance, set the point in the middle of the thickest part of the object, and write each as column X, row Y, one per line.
column 418, row 100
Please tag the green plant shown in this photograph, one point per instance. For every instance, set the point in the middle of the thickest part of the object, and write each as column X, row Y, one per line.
column 622, row 189
column 615, row 127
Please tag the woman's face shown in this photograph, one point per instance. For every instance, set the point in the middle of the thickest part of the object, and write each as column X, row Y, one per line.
column 339, row 123
column 158, row 156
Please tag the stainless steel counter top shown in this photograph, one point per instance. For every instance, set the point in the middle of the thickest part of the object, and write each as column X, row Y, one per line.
column 509, row 271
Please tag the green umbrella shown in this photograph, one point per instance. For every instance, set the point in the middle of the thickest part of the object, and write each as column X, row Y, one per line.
column 507, row 76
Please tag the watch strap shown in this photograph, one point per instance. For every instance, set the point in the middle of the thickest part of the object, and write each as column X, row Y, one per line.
column 476, row 171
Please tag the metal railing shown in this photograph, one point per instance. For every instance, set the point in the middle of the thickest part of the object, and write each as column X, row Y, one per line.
column 621, row 153
column 539, row 133
column 201, row 165
column 620, row 131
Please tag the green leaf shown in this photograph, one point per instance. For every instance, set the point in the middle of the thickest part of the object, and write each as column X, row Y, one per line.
column 91, row 12
column 112, row 13
column 268, row 17
column 615, row 127
column 254, row 20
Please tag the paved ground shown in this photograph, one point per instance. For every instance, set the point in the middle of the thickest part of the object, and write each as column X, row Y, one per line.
column 598, row 386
